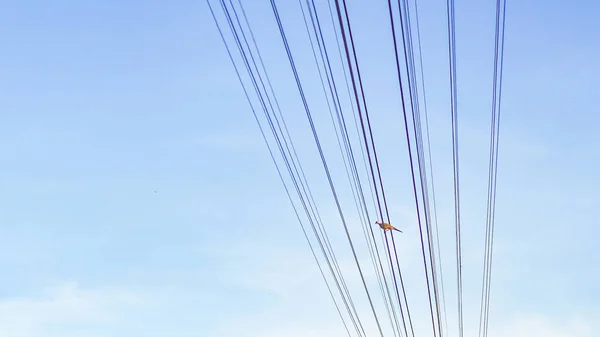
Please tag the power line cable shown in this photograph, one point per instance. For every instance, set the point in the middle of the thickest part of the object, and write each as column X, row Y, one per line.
column 278, row 170
column 493, row 165
column 324, row 162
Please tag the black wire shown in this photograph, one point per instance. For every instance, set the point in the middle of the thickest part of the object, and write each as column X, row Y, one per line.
column 263, row 87
column 349, row 152
column 433, row 197
column 412, row 329
column 286, row 159
column 372, row 142
column 493, row 165
column 407, row 134
column 396, row 283
column 361, row 140
column 341, row 118
column 362, row 121
column 303, row 181
column 362, row 144
column 455, row 157
column 335, row 105
column 406, row 30
column 370, row 178
column 352, row 105
column 405, row 24
column 370, row 160
column 367, row 116
column 324, row 162
column 277, row 168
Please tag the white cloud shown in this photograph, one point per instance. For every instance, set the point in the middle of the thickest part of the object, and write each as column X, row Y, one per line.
column 302, row 308
column 530, row 325
column 270, row 324
column 66, row 310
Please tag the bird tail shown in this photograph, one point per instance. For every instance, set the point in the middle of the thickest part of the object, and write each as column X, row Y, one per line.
column 396, row 229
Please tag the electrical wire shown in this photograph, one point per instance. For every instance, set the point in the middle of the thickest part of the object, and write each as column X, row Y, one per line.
column 278, row 170
column 413, row 101
column 323, row 160
column 419, row 153
column 358, row 103
column 493, row 165
column 355, row 183
column 455, row 158
column 279, row 144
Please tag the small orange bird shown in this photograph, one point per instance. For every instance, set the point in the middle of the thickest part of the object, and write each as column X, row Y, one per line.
column 387, row 226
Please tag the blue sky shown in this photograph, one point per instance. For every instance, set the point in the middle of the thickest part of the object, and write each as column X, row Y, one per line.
column 138, row 199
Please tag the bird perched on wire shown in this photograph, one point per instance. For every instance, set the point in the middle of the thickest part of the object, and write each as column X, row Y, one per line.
column 387, row 226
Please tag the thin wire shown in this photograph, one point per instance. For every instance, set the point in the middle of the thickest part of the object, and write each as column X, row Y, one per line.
column 407, row 134
column 352, row 105
column 455, row 157
column 277, row 168
column 362, row 122
column 285, row 156
column 324, row 162
column 362, row 140
column 493, row 165
column 396, row 282
column 373, row 250
column 433, row 198
column 335, row 106
column 407, row 43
